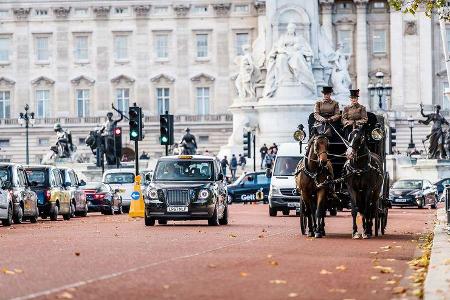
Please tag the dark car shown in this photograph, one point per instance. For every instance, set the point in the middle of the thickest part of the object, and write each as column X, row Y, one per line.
column 413, row 192
column 101, row 197
column 15, row 182
column 246, row 187
column 186, row 187
column 74, row 186
column 440, row 185
column 53, row 196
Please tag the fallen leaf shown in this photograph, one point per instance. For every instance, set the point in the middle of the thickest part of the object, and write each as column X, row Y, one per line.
column 232, row 235
column 386, row 247
column 243, row 274
column 325, row 272
column 398, row 246
column 269, row 255
column 261, row 236
column 373, row 291
column 390, row 282
column 292, row 295
column 391, row 259
column 342, row 291
column 212, row 266
column 374, row 277
column 166, row 286
column 278, row 281
column 398, row 275
column 273, row 263
column 399, row 290
column 384, row 270
column 65, row 295
column 418, row 293
column 18, row 271
column 341, row 268
column 374, row 252
column 264, row 230
column 8, row 272
column 77, row 253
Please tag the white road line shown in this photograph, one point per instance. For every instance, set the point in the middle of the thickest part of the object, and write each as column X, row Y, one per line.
column 118, row 274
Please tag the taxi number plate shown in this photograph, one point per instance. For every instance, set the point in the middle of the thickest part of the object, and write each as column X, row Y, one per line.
column 293, row 204
column 177, row 209
column 401, row 200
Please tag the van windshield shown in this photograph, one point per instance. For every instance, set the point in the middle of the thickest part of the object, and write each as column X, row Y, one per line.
column 286, row 165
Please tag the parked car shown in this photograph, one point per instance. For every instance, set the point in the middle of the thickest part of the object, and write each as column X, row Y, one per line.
column 6, row 206
column 244, row 189
column 53, row 196
column 440, row 185
column 103, row 198
column 186, row 187
column 23, row 199
column 122, row 179
column 413, row 192
column 77, row 196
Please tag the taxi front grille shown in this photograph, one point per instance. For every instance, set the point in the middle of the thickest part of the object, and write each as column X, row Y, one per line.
column 177, row 197
column 289, row 192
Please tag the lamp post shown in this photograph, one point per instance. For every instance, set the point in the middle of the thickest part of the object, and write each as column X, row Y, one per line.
column 411, row 126
column 380, row 88
column 27, row 119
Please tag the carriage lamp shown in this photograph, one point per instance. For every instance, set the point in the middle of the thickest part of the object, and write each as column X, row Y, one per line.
column 379, row 88
column 26, row 119
column 411, row 126
column 300, row 135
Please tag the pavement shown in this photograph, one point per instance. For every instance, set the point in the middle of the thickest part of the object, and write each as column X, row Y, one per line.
column 437, row 284
column 254, row 257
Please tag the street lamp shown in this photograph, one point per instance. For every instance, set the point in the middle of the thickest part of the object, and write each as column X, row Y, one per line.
column 27, row 119
column 411, row 126
column 380, row 88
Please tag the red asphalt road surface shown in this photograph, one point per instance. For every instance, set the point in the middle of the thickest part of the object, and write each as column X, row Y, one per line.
column 255, row 257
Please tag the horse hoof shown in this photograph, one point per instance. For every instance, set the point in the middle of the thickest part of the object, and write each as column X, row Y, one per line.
column 366, row 236
column 310, row 234
column 318, row 235
column 323, row 233
column 356, row 236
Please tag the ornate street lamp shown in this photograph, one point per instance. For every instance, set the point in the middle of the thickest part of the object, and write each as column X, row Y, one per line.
column 27, row 119
column 380, row 88
column 411, row 126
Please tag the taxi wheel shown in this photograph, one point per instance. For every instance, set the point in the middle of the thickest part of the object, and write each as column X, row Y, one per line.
column 272, row 212
column 66, row 217
column 214, row 220
column 33, row 219
column 54, row 213
column 224, row 220
column 18, row 218
column 84, row 212
column 149, row 221
column 9, row 220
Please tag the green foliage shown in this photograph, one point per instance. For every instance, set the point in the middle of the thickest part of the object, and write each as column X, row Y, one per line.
column 412, row 6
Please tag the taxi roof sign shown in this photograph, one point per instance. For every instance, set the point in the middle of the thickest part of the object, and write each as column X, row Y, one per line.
column 185, row 156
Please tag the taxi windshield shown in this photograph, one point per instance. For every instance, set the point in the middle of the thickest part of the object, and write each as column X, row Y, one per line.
column 184, row 170
column 408, row 184
column 118, row 178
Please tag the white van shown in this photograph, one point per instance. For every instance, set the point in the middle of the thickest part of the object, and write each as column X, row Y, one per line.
column 283, row 194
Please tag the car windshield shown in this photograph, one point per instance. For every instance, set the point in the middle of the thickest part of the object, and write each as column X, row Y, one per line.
column 184, row 170
column 118, row 178
column 408, row 184
column 4, row 175
column 286, row 165
column 37, row 176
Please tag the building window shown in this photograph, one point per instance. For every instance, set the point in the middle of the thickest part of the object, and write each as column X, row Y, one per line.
column 5, row 108
column 5, row 46
column 43, row 142
column 4, row 13
column 161, row 10
column 123, row 99
column 345, row 38
column 121, row 47
column 203, row 100
column 162, row 97
column 41, row 12
column 82, row 102
column 162, row 41
column 203, row 139
column 241, row 8
column 42, row 48
column 200, row 9
column 4, row 143
column 379, row 41
column 241, row 40
column 81, row 48
column 378, row 4
column 81, row 12
column 42, row 103
column 121, row 11
column 202, row 45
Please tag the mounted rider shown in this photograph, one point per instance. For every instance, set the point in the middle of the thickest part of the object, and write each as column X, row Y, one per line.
column 188, row 143
column 326, row 111
column 64, row 140
column 354, row 115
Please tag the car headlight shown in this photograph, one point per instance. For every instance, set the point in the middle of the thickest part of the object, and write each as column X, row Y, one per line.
column 203, row 194
column 152, row 194
column 274, row 190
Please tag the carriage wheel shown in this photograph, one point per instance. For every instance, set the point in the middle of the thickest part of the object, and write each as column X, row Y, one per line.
column 302, row 218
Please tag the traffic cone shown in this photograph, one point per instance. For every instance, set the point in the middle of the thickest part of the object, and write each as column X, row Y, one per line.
column 137, row 200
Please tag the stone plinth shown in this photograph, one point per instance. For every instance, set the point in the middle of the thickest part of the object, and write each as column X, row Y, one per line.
column 430, row 169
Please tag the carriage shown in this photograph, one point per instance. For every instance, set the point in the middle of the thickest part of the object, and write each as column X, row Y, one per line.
column 376, row 142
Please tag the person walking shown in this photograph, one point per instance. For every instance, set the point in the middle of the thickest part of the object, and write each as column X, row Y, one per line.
column 268, row 160
column 233, row 167
column 223, row 164
column 263, row 150
column 242, row 162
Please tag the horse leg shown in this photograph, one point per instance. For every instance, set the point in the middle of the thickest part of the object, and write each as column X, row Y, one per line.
column 320, row 229
column 354, row 196
column 367, row 218
column 308, row 211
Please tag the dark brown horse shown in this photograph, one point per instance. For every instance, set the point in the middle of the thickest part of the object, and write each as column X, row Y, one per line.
column 364, row 181
column 311, row 173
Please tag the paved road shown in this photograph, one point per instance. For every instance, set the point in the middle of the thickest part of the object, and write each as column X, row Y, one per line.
column 255, row 257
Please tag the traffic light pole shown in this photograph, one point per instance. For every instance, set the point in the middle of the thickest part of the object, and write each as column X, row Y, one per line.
column 136, row 157
column 254, row 152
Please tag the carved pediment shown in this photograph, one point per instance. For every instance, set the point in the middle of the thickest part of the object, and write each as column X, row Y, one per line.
column 21, row 13
column 42, row 79
column 160, row 77
column 142, row 10
column 222, row 9
column 79, row 79
column 181, row 9
column 203, row 76
column 6, row 81
column 61, row 12
column 345, row 20
column 102, row 11
column 123, row 78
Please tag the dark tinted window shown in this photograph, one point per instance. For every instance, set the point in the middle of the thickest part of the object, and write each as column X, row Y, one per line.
column 184, row 170
column 119, row 178
column 38, row 176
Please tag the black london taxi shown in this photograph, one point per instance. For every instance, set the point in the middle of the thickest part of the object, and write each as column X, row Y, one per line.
column 77, row 196
column 186, row 187
column 246, row 187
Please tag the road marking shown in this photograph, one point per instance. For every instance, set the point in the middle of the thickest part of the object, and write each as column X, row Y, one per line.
column 118, row 274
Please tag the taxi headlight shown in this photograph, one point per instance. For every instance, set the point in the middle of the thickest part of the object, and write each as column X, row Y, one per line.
column 203, row 194
column 152, row 194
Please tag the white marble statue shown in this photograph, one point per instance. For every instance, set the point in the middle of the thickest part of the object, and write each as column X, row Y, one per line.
column 326, row 55
column 289, row 62
column 340, row 78
column 247, row 77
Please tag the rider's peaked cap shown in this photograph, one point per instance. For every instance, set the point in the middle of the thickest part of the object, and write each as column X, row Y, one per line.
column 354, row 93
column 327, row 89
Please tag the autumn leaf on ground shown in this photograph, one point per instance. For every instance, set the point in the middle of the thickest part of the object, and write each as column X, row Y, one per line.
column 341, row 268
column 261, row 236
column 342, row 291
column 398, row 275
column 390, row 282
column 278, row 281
column 273, row 263
column 243, row 274
column 384, row 270
column 212, row 266
column 374, row 252
column 386, row 247
column 264, row 230
column 65, row 295
column 325, row 272
column 8, row 272
column 232, row 235
column 398, row 246
column 77, row 253
column 166, row 286
column 269, row 255
column 399, row 290
column 391, row 259
column 374, row 277
column 292, row 295
column 18, row 271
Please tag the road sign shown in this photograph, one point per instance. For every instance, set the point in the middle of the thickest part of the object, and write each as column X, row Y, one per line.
column 135, row 195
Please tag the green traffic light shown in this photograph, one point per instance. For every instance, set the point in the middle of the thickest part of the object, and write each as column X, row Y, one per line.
column 164, row 139
column 134, row 134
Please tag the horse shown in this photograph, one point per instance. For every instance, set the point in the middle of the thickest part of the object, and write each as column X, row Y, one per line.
column 310, row 177
column 364, row 180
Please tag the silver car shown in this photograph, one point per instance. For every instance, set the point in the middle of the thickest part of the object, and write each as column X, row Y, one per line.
column 6, row 207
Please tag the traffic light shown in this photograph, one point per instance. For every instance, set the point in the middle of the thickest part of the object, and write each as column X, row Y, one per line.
column 136, row 123
column 166, row 129
column 118, row 143
column 248, row 144
column 392, row 139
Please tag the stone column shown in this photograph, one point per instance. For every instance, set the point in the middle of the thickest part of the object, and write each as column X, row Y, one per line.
column 327, row 19
column 362, row 69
